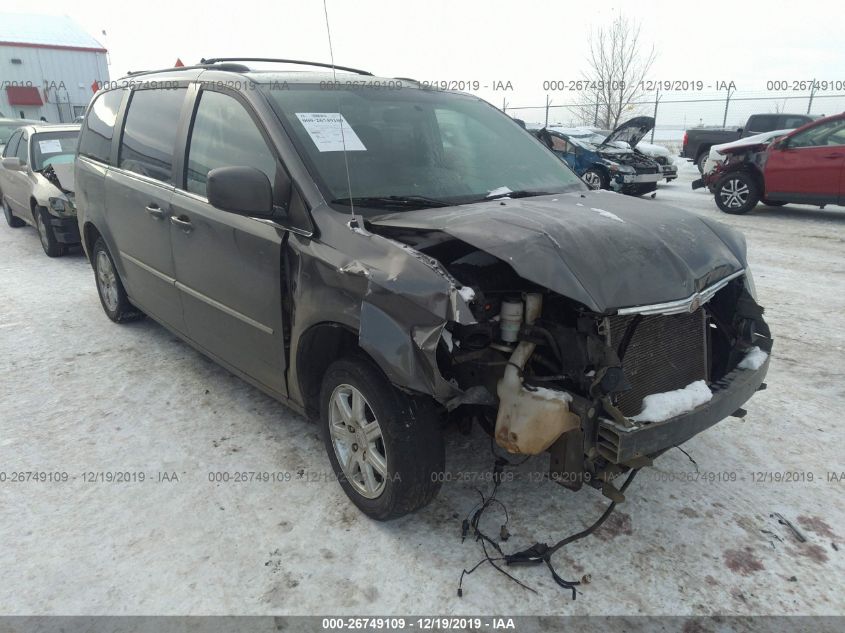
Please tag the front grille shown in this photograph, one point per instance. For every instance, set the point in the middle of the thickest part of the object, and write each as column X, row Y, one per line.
column 666, row 352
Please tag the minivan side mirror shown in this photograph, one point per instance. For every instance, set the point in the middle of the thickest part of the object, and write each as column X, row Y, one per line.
column 13, row 163
column 239, row 189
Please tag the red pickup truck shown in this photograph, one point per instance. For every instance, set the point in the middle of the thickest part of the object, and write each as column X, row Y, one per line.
column 807, row 166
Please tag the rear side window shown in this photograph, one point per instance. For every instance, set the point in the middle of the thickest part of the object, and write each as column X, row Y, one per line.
column 12, row 145
column 225, row 135
column 791, row 122
column 23, row 149
column 149, row 134
column 763, row 123
column 97, row 133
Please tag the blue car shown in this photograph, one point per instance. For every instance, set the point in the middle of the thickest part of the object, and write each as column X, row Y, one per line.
column 609, row 163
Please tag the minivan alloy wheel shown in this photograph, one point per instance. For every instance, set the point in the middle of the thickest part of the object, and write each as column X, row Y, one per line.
column 734, row 193
column 357, row 440
column 107, row 281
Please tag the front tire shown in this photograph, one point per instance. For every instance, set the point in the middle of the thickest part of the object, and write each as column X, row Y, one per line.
column 113, row 296
column 11, row 219
column 596, row 178
column 737, row 193
column 385, row 447
column 52, row 247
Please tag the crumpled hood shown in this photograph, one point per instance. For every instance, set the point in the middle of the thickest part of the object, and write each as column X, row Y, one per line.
column 603, row 249
column 631, row 132
column 64, row 172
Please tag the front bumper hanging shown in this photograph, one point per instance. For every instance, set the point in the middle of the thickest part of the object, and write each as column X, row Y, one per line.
column 620, row 444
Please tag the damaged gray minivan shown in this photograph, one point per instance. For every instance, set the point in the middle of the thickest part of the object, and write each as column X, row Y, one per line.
column 386, row 258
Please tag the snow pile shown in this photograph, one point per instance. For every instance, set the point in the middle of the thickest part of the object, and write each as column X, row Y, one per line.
column 662, row 406
column 754, row 359
column 467, row 293
column 499, row 191
column 765, row 137
column 607, row 214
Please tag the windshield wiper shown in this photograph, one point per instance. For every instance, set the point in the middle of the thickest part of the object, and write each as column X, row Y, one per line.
column 404, row 202
column 521, row 193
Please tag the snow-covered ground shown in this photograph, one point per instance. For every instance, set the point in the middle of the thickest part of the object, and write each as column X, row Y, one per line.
column 79, row 394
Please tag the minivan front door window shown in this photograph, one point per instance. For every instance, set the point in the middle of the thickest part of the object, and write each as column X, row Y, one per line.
column 224, row 135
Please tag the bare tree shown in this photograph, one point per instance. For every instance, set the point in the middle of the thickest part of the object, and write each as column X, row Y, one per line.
column 618, row 63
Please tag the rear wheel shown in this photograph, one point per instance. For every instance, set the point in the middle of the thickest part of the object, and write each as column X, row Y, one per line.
column 112, row 294
column 385, row 447
column 595, row 178
column 11, row 219
column 701, row 160
column 52, row 247
column 737, row 193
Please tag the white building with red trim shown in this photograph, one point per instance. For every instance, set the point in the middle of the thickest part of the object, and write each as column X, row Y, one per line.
column 48, row 67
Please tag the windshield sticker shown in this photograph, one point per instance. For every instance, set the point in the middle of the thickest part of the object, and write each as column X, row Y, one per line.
column 50, row 146
column 324, row 128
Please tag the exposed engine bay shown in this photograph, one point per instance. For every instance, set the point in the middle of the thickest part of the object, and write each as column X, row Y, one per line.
column 550, row 374
column 643, row 164
column 61, row 177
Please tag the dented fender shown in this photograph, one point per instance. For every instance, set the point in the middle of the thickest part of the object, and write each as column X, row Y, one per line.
column 397, row 299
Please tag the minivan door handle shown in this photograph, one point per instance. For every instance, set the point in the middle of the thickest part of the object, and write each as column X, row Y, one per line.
column 183, row 222
column 155, row 211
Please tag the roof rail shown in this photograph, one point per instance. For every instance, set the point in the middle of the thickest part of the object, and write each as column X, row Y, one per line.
column 173, row 69
column 216, row 60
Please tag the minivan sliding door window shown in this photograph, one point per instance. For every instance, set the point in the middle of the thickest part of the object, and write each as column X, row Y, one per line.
column 149, row 135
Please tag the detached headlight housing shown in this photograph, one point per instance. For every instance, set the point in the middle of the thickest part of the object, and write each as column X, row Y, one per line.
column 748, row 280
column 60, row 206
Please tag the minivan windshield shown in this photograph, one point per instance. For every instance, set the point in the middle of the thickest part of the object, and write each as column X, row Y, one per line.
column 414, row 148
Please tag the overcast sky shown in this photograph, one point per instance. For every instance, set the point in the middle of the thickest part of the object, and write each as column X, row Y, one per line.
column 524, row 42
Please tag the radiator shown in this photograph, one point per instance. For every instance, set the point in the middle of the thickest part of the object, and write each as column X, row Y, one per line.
column 667, row 352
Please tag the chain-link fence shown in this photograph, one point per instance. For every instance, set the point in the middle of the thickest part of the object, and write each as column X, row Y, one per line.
column 676, row 113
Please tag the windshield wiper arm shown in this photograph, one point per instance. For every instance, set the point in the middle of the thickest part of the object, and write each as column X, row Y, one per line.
column 521, row 193
column 379, row 202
